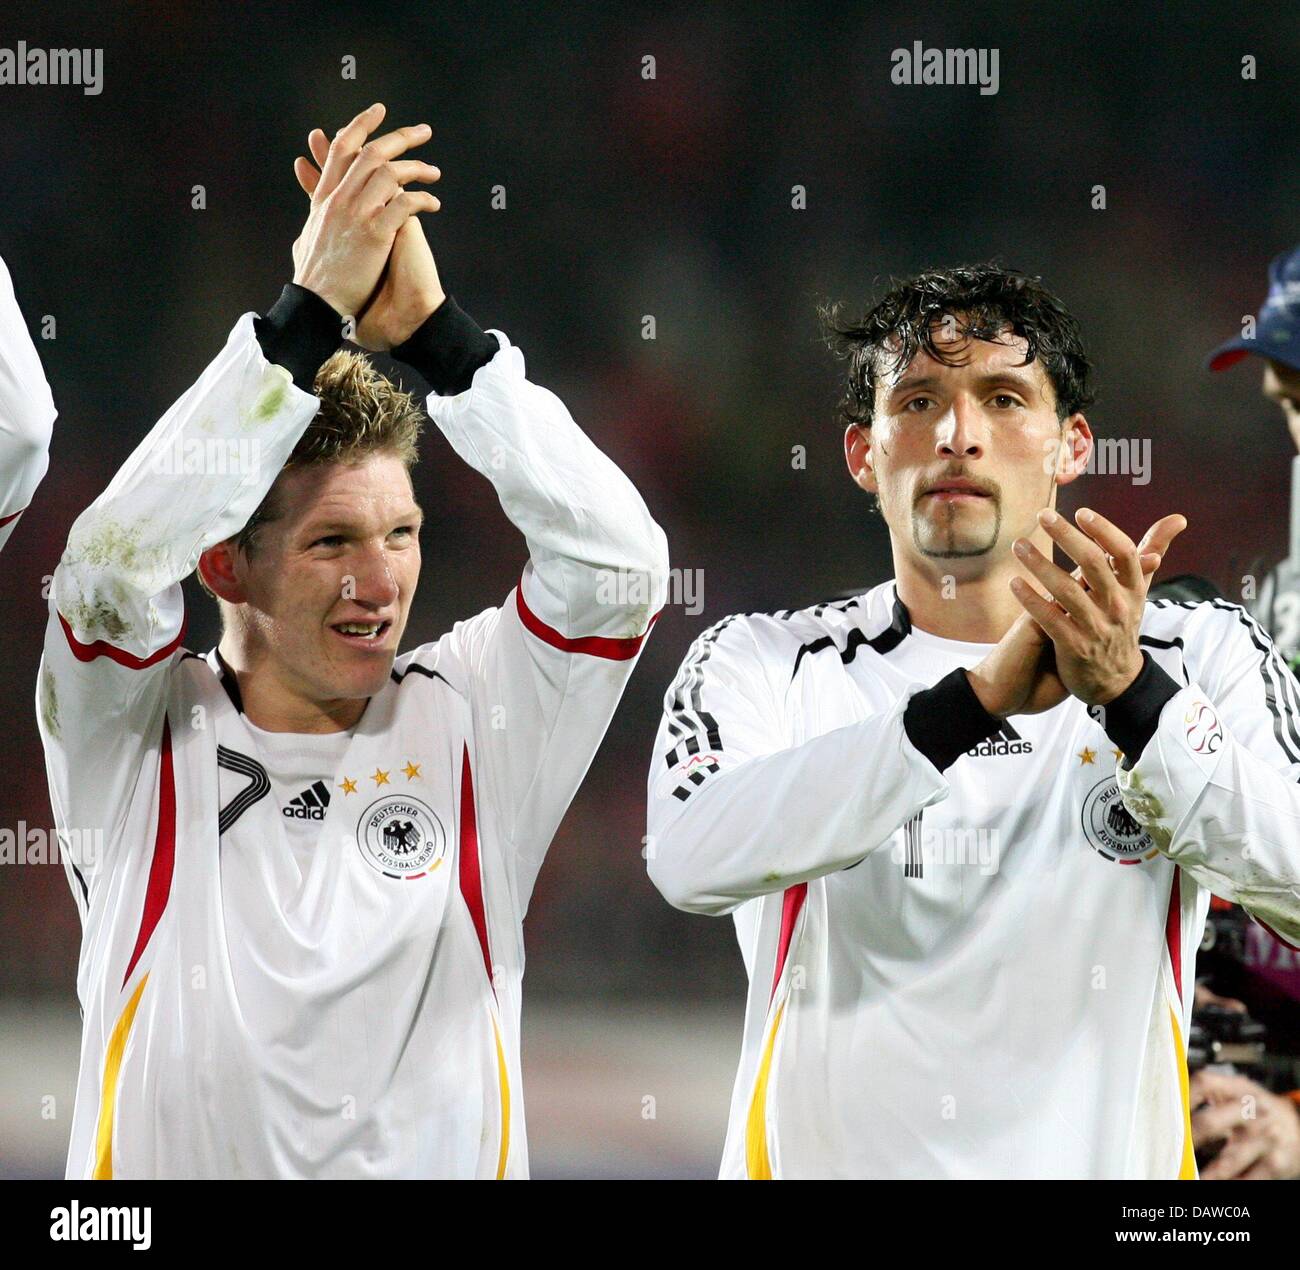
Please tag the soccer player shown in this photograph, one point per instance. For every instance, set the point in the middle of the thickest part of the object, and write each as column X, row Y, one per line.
column 1265, row 1143
column 968, row 832
column 26, row 412
column 1276, row 339
column 302, row 951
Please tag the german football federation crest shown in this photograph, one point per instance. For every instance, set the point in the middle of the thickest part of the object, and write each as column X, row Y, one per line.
column 1111, row 829
column 401, row 837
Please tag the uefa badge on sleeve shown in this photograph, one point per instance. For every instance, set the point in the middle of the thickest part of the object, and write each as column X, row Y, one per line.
column 401, row 837
column 1202, row 728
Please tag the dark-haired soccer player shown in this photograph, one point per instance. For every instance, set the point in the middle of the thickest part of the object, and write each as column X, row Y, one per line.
column 302, row 953
column 970, row 940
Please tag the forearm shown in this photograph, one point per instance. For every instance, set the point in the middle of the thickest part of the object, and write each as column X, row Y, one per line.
column 195, row 479
column 599, row 556
column 800, row 813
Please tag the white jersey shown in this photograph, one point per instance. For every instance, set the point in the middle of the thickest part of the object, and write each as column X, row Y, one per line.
column 984, row 972
column 252, row 1009
column 26, row 412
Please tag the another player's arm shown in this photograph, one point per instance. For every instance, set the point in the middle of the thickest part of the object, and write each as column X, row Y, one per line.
column 737, row 809
column 547, row 669
column 116, row 607
column 26, row 412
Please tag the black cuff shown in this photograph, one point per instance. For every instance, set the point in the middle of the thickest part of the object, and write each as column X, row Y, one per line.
column 447, row 349
column 1132, row 718
column 945, row 721
column 299, row 332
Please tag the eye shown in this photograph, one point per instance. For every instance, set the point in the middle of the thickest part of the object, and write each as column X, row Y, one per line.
column 1006, row 400
column 922, row 402
column 331, row 540
column 405, row 531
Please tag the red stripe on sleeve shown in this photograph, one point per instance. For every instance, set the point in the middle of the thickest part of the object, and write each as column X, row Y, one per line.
column 791, row 906
column 101, row 648
column 164, row 852
column 471, row 878
column 1174, row 931
column 592, row 645
column 4, row 520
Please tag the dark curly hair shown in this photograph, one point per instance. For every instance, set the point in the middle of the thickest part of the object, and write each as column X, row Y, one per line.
column 982, row 299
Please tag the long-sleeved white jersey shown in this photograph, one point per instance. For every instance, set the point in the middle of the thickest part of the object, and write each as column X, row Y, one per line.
column 254, row 1010
column 26, row 412
column 985, row 971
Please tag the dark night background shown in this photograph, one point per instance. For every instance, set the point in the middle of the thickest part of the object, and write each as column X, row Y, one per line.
column 629, row 197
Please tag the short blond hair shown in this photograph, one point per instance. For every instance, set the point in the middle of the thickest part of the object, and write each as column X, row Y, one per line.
column 361, row 413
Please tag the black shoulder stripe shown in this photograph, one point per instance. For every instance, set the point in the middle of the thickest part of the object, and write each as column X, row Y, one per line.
column 1280, row 691
column 898, row 630
column 687, row 718
column 695, row 731
column 414, row 669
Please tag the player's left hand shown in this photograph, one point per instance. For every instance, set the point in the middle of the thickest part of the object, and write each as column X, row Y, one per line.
column 1260, row 1132
column 1092, row 621
column 409, row 290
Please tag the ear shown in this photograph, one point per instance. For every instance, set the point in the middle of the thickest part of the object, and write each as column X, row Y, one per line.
column 219, row 569
column 1076, row 450
column 857, row 454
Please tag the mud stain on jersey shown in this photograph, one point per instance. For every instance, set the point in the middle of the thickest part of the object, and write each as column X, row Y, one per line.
column 1147, row 809
column 49, row 703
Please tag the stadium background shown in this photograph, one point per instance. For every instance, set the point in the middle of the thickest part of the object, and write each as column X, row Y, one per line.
column 629, row 197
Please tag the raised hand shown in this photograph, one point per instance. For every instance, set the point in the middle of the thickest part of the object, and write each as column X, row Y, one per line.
column 409, row 289
column 358, row 206
column 1094, row 615
column 1019, row 676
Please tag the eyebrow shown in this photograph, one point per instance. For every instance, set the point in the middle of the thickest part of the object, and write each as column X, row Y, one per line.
column 327, row 527
column 997, row 379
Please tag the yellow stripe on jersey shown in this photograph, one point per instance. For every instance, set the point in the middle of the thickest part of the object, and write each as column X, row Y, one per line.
column 1187, row 1165
column 758, row 1162
column 108, row 1092
column 503, row 1080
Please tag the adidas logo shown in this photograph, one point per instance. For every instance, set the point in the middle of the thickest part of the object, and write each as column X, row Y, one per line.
column 1005, row 741
column 310, row 804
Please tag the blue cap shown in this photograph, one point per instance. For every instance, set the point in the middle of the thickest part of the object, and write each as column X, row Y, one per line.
column 1277, row 326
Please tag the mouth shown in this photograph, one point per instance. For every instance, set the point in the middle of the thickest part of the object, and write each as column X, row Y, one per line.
column 362, row 634
column 955, row 494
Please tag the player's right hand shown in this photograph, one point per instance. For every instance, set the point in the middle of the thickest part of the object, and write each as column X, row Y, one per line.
column 1019, row 675
column 358, row 206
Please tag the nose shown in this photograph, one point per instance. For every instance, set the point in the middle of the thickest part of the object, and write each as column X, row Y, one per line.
column 960, row 432
column 373, row 582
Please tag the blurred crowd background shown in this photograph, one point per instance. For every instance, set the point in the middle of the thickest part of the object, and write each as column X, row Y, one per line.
column 629, row 197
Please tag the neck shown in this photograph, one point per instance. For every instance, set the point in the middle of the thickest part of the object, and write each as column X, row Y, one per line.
column 968, row 598
column 273, row 706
